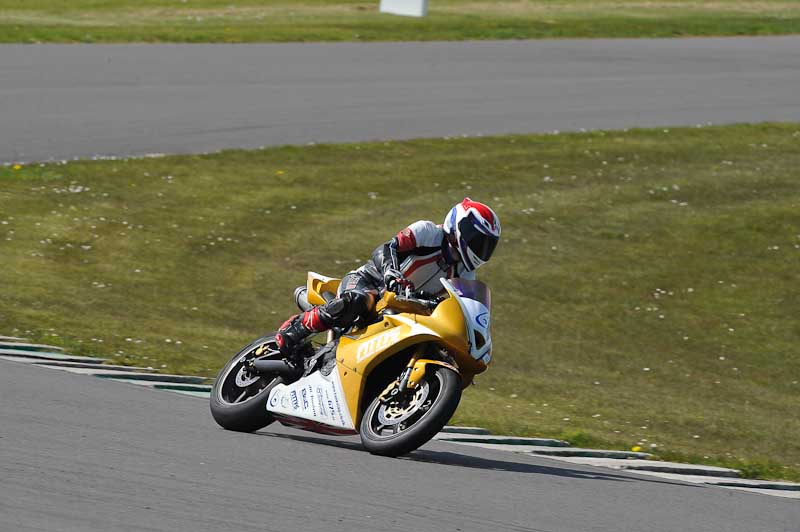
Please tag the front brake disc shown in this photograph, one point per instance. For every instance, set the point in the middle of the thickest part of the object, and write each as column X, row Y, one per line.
column 398, row 409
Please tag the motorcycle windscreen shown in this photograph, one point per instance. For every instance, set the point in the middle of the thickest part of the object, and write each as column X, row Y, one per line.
column 474, row 290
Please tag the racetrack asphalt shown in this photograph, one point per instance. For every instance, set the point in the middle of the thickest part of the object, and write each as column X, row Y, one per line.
column 64, row 101
column 83, row 454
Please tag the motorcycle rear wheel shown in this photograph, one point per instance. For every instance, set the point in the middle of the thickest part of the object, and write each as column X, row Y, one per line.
column 405, row 423
column 239, row 399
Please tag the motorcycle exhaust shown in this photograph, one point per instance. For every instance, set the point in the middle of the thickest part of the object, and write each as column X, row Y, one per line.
column 301, row 298
column 281, row 367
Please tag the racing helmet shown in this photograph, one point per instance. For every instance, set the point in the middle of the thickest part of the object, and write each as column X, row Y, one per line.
column 474, row 229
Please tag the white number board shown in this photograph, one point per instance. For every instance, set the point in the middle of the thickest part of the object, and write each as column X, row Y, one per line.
column 409, row 8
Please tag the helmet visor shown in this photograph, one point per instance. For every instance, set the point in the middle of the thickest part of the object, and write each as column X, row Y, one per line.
column 481, row 244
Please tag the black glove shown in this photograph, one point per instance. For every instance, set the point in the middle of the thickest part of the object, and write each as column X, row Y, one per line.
column 394, row 280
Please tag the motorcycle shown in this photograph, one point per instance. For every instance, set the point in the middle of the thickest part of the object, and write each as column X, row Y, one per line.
column 396, row 381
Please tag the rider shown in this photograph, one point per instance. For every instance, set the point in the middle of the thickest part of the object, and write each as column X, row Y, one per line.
column 417, row 257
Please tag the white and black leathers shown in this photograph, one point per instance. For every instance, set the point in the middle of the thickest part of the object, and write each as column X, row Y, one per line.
column 422, row 253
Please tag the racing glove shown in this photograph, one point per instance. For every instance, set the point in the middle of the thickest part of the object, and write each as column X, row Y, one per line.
column 394, row 280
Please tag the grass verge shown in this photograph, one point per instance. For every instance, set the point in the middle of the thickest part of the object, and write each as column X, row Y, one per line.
column 645, row 289
column 359, row 20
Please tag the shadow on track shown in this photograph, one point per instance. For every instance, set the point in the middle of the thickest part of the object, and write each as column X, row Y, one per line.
column 461, row 460
column 448, row 458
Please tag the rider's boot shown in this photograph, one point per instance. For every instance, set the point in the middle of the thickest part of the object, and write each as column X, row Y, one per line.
column 296, row 329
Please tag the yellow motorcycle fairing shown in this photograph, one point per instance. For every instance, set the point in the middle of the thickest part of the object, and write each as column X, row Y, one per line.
column 358, row 354
column 318, row 285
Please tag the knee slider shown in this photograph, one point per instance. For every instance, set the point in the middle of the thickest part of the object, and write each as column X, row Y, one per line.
column 358, row 302
column 343, row 311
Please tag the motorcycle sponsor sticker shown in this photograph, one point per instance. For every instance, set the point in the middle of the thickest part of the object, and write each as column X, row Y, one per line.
column 482, row 319
column 274, row 399
column 310, row 394
column 376, row 343
column 321, row 402
column 315, row 398
column 329, row 404
column 338, row 405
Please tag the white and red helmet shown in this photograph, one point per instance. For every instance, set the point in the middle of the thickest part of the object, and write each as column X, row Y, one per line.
column 475, row 229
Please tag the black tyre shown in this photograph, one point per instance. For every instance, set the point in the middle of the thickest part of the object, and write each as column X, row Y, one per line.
column 408, row 420
column 239, row 398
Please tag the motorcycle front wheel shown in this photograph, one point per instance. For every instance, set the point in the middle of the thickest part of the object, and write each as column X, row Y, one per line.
column 407, row 421
column 238, row 397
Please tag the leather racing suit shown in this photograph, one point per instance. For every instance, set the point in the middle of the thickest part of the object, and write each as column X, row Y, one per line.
column 420, row 254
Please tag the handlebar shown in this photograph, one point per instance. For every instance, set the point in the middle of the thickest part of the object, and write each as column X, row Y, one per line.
column 427, row 304
column 405, row 302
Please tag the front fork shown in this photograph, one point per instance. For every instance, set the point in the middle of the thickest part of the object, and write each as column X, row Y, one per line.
column 411, row 376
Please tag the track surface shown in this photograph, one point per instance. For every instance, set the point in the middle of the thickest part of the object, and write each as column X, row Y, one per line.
column 82, row 454
column 61, row 101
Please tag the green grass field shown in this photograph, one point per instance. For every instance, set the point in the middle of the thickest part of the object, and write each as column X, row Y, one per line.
column 355, row 20
column 645, row 289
